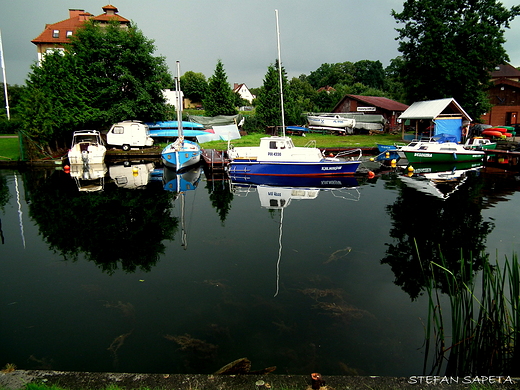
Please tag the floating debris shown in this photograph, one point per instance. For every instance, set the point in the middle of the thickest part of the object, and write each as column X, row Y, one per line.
column 9, row 367
column 127, row 309
column 187, row 343
column 338, row 254
column 242, row 366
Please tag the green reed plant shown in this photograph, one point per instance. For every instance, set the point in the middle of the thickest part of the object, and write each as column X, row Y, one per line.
column 485, row 331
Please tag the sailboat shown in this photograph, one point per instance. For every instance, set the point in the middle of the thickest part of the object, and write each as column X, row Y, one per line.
column 277, row 155
column 181, row 153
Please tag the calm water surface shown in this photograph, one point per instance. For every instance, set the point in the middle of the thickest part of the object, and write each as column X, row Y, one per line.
column 103, row 280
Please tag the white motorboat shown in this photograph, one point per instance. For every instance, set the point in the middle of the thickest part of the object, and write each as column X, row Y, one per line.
column 330, row 120
column 87, row 148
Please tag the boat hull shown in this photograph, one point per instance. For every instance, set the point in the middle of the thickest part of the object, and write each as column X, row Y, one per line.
column 187, row 156
column 328, row 168
column 330, row 121
column 415, row 157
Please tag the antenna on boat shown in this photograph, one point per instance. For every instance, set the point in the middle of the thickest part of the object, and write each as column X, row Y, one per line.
column 280, row 71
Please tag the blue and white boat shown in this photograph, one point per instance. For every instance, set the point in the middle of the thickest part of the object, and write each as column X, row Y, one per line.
column 170, row 129
column 278, row 156
column 181, row 153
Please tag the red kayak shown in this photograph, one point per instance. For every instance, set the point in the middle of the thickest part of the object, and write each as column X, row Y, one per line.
column 491, row 132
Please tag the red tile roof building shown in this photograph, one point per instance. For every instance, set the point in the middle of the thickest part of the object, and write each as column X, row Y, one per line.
column 57, row 35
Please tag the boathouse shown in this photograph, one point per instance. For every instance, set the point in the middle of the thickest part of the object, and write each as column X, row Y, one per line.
column 435, row 117
column 388, row 109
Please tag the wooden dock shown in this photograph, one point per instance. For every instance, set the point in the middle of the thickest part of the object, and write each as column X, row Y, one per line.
column 216, row 160
column 503, row 159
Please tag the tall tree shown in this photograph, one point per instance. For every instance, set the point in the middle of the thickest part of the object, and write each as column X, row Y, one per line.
column 268, row 102
column 105, row 75
column 219, row 99
column 449, row 48
column 194, row 86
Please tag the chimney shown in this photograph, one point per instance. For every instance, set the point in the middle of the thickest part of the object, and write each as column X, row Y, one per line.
column 74, row 13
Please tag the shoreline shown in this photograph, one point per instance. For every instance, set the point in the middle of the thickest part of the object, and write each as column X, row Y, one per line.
column 74, row 380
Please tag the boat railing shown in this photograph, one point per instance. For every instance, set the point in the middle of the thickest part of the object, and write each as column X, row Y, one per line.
column 242, row 190
column 311, row 144
column 348, row 153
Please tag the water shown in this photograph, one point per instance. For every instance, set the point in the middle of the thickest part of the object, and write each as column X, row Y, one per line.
column 103, row 280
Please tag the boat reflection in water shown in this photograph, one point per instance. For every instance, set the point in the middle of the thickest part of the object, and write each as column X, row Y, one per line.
column 89, row 177
column 131, row 175
column 440, row 180
column 180, row 183
column 277, row 192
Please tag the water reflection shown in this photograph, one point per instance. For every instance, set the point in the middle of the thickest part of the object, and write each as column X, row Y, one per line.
column 114, row 228
column 446, row 228
column 89, row 177
column 277, row 192
column 337, row 309
column 439, row 180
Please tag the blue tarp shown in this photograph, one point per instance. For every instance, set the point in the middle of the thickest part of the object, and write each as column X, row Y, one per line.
column 449, row 127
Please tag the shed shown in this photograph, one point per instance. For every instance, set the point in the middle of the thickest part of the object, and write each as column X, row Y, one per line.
column 371, row 105
column 443, row 116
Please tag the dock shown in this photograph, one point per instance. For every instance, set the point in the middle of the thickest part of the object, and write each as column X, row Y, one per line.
column 216, row 160
column 504, row 159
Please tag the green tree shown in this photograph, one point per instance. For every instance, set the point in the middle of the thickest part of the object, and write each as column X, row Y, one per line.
column 105, row 75
column 194, row 86
column 369, row 73
column 450, row 47
column 268, row 102
column 219, row 99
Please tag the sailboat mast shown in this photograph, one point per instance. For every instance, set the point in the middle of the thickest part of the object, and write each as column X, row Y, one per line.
column 2, row 64
column 280, row 71
column 179, row 102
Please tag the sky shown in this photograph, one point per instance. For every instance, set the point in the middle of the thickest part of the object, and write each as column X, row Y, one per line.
column 240, row 33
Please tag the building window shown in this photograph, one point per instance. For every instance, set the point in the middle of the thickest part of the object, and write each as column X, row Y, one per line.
column 56, row 33
column 69, row 33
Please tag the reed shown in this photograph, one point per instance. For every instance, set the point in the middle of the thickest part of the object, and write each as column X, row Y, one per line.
column 484, row 329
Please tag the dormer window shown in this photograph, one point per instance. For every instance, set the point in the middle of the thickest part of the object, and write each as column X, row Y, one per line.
column 56, row 33
column 69, row 33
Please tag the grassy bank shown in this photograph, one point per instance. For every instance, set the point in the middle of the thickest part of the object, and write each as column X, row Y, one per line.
column 322, row 141
column 9, row 149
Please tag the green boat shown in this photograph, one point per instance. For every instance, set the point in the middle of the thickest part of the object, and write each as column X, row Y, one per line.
column 436, row 152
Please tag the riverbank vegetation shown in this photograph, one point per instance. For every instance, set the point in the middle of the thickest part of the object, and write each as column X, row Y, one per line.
column 484, row 320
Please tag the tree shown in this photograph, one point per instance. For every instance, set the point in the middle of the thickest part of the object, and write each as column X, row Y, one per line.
column 106, row 74
column 194, row 86
column 450, row 47
column 219, row 99
column 268, row 102
column 369, row 73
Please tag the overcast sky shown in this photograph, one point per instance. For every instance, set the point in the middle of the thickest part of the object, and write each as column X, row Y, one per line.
column 241, row 33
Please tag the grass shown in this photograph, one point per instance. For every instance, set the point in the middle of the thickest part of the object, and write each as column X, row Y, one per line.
column 485, row 329
column 9, row 149
column 322, row 141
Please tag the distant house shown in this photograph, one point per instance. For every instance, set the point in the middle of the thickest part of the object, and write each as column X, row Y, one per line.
column 434, row 117
column 56, row 35
column 244, row 92
column 372, row 105
column 504, row 95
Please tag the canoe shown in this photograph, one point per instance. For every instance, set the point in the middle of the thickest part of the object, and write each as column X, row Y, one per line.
column 492, row 133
